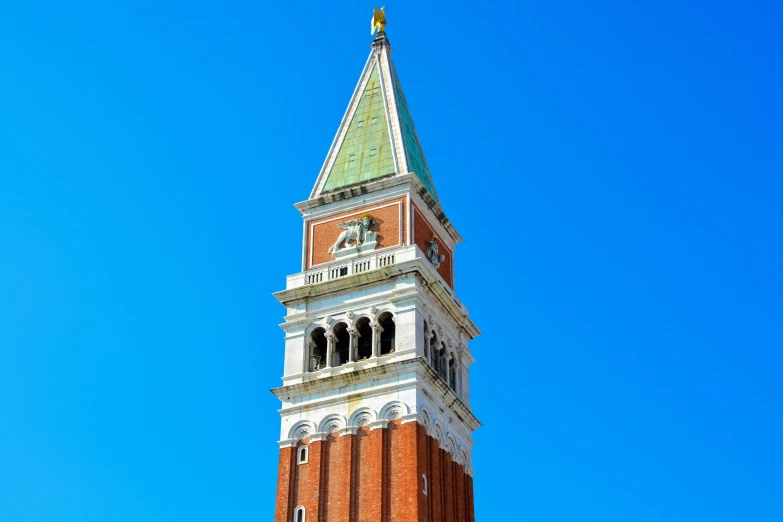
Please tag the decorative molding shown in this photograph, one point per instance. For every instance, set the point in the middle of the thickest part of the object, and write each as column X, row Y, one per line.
column 332, row 423
column 374, row 374
column 288, row 443
column 301, row 430
column 379, row 424
column 430, row 282
column 362, row 417
column 411, row 417
column 394, row 410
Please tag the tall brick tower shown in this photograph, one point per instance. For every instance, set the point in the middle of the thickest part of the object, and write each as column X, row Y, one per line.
column 375, row 420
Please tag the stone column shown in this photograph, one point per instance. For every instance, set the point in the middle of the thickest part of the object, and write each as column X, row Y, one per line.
column 376, row 338
column 352, row 343
column 330, row 338
column 310, row 365
column 427, row 339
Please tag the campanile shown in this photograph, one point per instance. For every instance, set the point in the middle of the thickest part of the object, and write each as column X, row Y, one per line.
column 376, row 424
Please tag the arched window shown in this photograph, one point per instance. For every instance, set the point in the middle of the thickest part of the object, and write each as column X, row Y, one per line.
column 434, row 352
column 424, row 484
column 318, row 347
column 342, row 343
column 299, row 514
column 442, row 362
column 453, row 373
column 301, row 455
column 426, row 344
column 387, row 334
column 364, row 343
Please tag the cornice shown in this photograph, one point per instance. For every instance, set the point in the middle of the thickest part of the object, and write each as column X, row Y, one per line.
column 417, row 267
column 369, row 375
column 409, row 181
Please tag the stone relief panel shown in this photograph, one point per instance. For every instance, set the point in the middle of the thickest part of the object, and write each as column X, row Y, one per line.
column 355, row 237
column 388, row 224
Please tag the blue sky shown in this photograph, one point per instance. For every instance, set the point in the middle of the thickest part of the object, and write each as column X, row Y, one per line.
column 615, row 168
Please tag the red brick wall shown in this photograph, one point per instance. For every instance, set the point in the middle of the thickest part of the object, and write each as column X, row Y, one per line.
column 422, row 234
column 325, row 231
column 375, row 476
column 285, row 486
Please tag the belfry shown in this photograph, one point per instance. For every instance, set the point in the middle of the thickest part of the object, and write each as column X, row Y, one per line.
column 376, row 424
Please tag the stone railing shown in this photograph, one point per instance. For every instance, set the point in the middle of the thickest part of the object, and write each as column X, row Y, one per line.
column 355, row 265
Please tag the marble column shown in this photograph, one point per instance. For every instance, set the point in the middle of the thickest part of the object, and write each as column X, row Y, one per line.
column 330, row 338
column 352, row 343
column 376, row 338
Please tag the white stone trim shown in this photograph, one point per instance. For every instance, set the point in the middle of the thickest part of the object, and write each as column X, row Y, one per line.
column 394, row 410
column 411, row 417
column 362, row 417
column 353, row 104
column 379, row 424
column 288, row 443
column 332, row 423
column 301, row 430
column 389, row 127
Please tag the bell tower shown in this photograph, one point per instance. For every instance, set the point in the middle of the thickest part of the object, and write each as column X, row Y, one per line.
column 376, row 424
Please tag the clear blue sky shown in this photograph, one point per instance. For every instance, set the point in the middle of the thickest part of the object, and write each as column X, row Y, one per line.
column 615, row 168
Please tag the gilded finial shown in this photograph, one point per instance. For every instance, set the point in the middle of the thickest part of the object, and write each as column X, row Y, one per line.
column 378, row 21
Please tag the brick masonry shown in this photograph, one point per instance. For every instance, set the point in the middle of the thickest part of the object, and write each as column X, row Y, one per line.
column 375, row 476
column 422, row 234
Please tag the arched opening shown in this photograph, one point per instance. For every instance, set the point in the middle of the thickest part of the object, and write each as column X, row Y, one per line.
column 442, row 362
column 426, row 344
column 301, row 455
column 299, row 514
column 452, row 373
column 318, row 347
column 342, row 343
column 434, row 352
column 387, row 333
column 364, row 343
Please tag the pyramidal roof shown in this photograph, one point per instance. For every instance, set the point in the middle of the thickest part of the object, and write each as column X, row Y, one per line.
column 376, row 137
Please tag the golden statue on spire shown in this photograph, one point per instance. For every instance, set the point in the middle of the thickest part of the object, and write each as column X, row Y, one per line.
column 378, row 20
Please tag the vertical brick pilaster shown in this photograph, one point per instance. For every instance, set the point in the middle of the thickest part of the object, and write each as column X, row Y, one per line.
column 343, row 483
column 461, row 494
column 448, row 486
column 315, row 462
column 471, row 514
column 422, row 455
column 285, row 484
column 435, row 489
column 371, row 486
column 405, row 494
column 386, row 473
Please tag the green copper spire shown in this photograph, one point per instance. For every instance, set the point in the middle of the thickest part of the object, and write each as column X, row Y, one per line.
column 366, row 151
column 377, row 137
column 410, row 140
